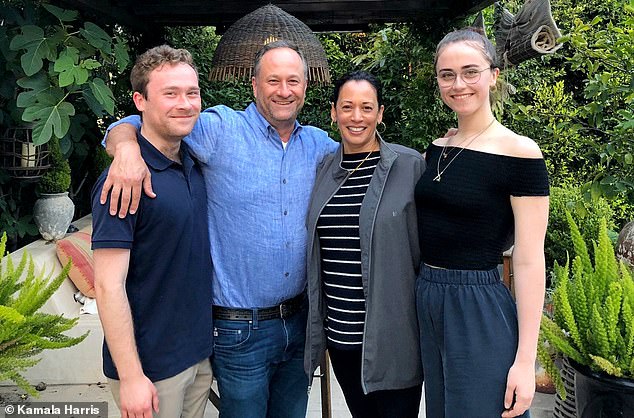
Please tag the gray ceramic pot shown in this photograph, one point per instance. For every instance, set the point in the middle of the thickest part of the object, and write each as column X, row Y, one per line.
column 53, row 214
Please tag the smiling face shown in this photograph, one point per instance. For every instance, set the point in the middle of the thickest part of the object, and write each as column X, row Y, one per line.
column 279, row 87
column 357, row 113
column 465, row 58
column 171, row 104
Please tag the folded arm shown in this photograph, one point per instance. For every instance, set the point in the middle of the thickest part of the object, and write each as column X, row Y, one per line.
column 138, row 396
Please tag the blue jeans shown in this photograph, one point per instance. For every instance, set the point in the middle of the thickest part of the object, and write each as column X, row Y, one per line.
column 259, row 366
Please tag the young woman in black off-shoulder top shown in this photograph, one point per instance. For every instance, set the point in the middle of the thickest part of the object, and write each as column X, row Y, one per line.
column 484, row 188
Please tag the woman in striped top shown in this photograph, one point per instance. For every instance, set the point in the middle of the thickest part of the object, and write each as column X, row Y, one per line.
column 363, row 259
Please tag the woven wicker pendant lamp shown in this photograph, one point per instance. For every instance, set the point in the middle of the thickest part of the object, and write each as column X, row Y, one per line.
column 233, row 58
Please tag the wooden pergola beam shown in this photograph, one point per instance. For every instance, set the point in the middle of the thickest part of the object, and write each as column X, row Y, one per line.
column 319, row 15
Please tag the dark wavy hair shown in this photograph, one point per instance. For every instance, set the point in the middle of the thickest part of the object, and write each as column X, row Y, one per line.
column 358, row 75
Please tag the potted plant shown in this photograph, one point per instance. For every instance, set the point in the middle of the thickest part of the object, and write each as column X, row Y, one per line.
column 54, row 210
column 25, row 332
column 593, row 327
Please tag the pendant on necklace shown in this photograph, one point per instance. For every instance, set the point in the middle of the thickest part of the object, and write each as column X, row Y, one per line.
column 437, row 178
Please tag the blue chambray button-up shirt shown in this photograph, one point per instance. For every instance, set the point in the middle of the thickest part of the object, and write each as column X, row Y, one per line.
column 258, row 195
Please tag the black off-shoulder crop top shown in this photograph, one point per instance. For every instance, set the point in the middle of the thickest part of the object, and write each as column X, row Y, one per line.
column 465, row 221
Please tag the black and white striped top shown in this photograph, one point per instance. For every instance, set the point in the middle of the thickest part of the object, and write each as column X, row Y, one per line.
column 338, row 231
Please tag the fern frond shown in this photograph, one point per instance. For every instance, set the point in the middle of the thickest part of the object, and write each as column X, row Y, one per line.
column 581, row 250
column 552, row 333
column 606, row 366
column 545, row 359
column 562, row 306
column 598, row 335
column 611, row 310
column 24, row 333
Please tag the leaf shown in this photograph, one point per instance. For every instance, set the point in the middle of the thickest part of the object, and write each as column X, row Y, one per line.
column 30, row 35
column 596, row 20
column 103, row 94
column 36, row 85
column 69, row 71
column 90, row 64
column 65, row 144
column 595, row 190
column 66, row 78
column 121, row 55
column 52, row 119
column 31, row 61
column 72, row 53
column 61, row 14
column 31, row 112
column 63, row 63
column 92, row 102
column 96, row 36
column 81, row 76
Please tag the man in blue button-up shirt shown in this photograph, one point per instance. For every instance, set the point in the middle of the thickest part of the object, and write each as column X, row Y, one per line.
column 259, row 167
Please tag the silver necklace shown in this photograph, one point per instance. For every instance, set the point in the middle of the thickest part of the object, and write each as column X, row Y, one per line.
column 439, row 173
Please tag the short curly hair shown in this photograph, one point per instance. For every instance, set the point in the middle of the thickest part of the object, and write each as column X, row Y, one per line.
column 154, row 58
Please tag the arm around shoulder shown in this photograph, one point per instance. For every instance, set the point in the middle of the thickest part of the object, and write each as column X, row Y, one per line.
column 128, row 172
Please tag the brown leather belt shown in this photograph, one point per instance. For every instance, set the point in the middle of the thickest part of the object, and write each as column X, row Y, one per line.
column 284, row 310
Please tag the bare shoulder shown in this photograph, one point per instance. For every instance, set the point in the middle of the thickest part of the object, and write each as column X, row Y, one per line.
column 440, row 142
column 520, row 146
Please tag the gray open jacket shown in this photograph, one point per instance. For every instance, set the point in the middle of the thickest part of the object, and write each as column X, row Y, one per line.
column 390, row 257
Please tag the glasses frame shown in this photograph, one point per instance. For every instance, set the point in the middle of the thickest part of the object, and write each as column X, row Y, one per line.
column 461, row 75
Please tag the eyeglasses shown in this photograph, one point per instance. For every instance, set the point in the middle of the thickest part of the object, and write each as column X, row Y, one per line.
column 447, row 78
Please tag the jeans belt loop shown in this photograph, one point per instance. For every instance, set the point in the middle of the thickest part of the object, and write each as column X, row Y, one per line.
column 255, row 320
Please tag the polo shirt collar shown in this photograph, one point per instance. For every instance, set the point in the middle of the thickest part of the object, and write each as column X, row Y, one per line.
column 263, row 125
column 155, row 158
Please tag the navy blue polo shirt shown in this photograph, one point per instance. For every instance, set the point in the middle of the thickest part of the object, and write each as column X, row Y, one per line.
column 169, row 277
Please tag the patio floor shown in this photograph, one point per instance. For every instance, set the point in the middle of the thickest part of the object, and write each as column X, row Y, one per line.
column 542, row 405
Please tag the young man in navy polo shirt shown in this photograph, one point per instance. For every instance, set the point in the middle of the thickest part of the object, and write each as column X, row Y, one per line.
column 153, row 268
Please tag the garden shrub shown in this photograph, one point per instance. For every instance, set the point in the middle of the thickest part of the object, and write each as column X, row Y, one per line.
column 586, row 215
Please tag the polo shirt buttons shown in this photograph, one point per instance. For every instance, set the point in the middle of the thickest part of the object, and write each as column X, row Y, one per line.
column 285, row 212
column 287, row 274
column 284, row 181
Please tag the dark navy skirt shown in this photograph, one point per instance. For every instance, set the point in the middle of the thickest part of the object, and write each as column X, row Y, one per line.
column 468, row 331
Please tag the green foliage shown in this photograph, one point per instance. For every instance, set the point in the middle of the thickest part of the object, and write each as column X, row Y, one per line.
column 577, row 104
column 57, row 62
column 587, row 216
column 603, row 52
column 24, row 332
column 201, row 43
column 401, row 56
column 12, row 220
column 593, row 323
column 57, row 178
